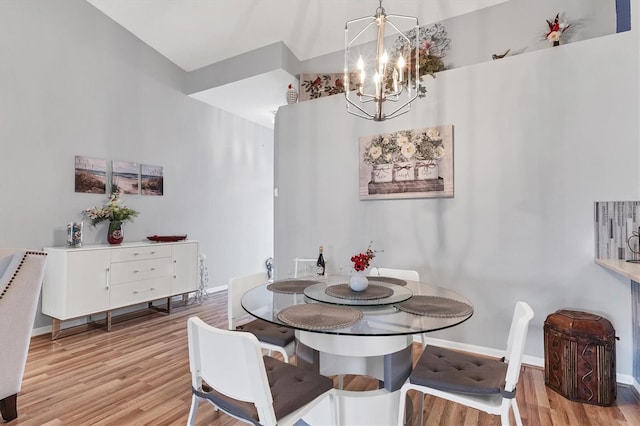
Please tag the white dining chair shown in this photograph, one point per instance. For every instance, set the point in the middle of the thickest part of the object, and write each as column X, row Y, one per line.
column 229, row 371
column 272, row 337
column 403, row 274
column 304, row 267
column 21, row 275
column 478, row 382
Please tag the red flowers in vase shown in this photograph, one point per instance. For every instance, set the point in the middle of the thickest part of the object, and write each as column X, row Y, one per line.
column 361, row 260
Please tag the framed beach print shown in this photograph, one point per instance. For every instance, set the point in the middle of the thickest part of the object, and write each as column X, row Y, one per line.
column 152, row 180
column 416, row 163
column 125, row 176
column 90, row 175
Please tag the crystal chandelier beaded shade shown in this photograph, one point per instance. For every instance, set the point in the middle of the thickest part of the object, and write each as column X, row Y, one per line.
column 380, row 79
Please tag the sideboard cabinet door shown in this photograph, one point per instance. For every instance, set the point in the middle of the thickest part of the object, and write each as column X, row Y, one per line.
column 185, row 264
column 76, row 283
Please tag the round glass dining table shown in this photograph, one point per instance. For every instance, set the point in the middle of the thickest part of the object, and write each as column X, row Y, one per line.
column 340, row 331
column 381, row 316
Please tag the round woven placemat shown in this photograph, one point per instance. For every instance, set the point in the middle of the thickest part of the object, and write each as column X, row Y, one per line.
column 315, row 316
column 435, row 306
column 290, row 286
column 388, row 280
column 343, row 291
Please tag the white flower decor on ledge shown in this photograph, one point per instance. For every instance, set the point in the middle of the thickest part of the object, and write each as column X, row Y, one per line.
column 556, row 29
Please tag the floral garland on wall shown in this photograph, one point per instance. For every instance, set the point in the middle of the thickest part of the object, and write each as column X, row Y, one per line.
column 433, row 46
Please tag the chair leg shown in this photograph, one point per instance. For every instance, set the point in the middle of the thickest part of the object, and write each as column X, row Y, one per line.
column 516, row 412
column 421, row 409
column 504, row 418
column 403, row 401
column 193, row 411
column 505, row 410
column 285, row 356
column 335, row 405
column 9, row 407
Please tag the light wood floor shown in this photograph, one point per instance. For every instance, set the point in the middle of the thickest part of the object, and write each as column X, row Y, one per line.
column 138, row 374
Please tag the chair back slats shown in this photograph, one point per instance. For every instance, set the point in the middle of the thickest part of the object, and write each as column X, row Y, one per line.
column 522, row 315
column 457, row 388
column 243, row 384
column 403, row 274
column 234, row 364
column 237, row 287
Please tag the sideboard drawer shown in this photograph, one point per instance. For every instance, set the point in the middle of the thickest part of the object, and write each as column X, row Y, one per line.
column 123, row 272
column 140, row 291
column 141, row 253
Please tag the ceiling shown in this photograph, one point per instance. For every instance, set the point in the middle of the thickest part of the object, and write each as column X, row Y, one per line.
column 196, row 33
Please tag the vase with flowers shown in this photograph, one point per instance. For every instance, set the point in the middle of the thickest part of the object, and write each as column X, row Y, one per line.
column 358, row 280
column 116, row 213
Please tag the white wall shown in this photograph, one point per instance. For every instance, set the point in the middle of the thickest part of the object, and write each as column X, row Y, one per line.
column 515, row 25
column 537, row 139
column 520, row 26
column 72, row 82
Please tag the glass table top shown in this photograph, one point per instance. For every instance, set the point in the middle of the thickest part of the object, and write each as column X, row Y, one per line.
column 379, row 317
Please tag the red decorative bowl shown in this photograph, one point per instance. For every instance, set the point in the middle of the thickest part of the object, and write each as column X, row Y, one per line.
column 167, row 238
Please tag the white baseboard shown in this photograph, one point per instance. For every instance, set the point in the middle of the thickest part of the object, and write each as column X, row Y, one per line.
column 40, row 331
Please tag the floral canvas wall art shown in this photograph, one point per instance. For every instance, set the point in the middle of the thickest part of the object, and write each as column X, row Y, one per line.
column 415, row 163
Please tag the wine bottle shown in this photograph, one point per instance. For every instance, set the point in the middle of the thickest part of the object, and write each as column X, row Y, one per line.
column 320, row 263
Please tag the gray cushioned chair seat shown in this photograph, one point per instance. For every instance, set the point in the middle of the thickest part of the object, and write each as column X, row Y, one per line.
column 269, row 333
column 448, row 370
column 291, row 388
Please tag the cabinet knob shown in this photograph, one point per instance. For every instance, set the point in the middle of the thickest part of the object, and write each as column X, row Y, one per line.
column 136, row 254
column 135, row 271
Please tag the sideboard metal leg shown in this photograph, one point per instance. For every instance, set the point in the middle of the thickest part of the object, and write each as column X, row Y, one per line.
column 55, row 328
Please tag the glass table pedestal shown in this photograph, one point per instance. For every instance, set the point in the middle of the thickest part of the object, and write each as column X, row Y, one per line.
column 386, row 358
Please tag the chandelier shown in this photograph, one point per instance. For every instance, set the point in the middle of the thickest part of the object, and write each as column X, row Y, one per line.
column 382, row 77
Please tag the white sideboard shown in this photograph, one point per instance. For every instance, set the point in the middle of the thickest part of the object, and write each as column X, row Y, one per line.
column 100, row 278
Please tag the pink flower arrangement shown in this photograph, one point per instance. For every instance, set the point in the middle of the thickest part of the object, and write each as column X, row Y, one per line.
column 113, row 211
